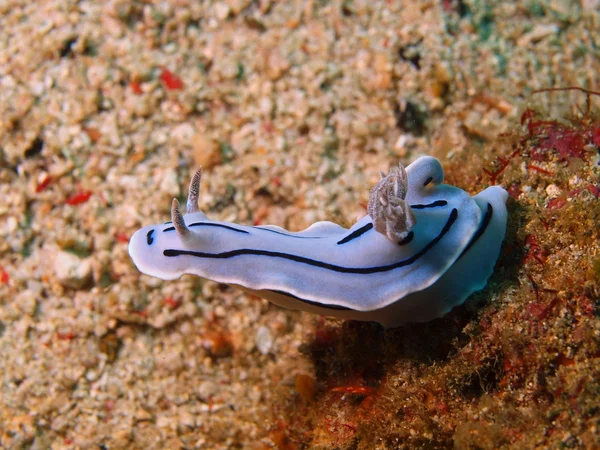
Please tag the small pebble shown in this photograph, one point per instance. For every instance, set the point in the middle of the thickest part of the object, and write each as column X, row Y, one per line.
column 205, row 151
column 264, row 340
column 71, row 271
column 538, row 33
column 221, row 11
column 553, row 191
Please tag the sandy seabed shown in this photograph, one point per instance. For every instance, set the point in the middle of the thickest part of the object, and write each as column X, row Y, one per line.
column 292, row 108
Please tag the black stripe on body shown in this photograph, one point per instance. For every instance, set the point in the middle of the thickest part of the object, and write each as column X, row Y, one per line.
column 404, row 241
column 324, row 265
column 482, row 227
column 209, row 224
column 362, row 230
column 430, row 205
column 409, row 237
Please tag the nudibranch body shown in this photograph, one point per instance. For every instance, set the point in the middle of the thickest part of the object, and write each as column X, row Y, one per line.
column 422, row 249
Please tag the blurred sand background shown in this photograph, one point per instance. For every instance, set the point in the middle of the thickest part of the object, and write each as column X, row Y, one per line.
column 292, row 108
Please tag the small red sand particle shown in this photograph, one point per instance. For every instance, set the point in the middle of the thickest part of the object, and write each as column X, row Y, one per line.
column 93, row 133
column 68, row 336
column 43, row 184
column 121, row 237
column 79, row 197
column 556, row 203
column 171, row 302
column 171, row 81
column 4, row 278
column 136, row 87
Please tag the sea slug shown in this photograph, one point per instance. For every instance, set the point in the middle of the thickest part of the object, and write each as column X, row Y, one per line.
column 422, row 249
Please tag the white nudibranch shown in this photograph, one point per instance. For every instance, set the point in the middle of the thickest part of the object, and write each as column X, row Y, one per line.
column 423, row 248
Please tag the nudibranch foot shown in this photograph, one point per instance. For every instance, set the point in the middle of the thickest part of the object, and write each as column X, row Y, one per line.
column 423, row 248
